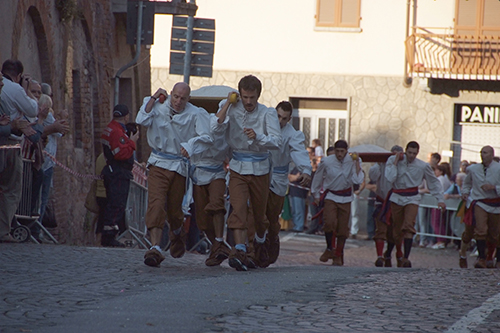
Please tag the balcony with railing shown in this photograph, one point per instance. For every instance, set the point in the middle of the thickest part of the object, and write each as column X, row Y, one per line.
column 450, row 56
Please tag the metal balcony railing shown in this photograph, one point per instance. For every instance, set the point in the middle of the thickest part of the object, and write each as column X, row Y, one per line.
column 450, row 56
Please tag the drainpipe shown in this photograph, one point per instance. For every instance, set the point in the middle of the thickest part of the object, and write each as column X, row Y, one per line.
column 406, row 79
column 137, row 52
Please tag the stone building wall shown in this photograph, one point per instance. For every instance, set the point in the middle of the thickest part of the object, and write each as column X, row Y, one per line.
column 76, row 46
column 382, row 111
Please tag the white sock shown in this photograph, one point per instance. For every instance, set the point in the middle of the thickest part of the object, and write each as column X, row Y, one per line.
column 260, row 240
column 155, row 247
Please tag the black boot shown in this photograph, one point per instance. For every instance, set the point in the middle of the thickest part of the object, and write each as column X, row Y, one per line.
column 110, row 241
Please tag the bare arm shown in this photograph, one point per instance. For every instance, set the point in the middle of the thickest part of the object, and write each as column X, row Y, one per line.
column 221, row 115
column 154, row 97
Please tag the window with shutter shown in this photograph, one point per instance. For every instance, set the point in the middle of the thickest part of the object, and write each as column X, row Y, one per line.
column 338, row 13
column 477, row 17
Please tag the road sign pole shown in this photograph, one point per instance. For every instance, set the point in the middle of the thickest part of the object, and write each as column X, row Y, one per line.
column 189, row 43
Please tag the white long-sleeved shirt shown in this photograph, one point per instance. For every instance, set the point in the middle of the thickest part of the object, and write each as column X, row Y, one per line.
column 407, row 175
column 377, row 174
column 167, row 132
column 264, row 121
column 335, row 175
column 209, row 163
column 17, row 102
column 292, row 149
column 51, row 146
column 477, row 176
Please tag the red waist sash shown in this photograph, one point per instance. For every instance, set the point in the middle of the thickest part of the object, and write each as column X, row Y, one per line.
column 492, row 202
column 343, row 193
column 406, row 192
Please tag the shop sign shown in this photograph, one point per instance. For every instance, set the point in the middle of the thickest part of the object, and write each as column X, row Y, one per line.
column 477, row 114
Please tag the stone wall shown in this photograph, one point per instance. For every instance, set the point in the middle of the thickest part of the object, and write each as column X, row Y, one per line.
column 76, row 46
column 382, row 110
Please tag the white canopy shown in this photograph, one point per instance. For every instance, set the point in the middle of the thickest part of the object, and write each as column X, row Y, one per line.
column 212, row 92
column 367, row 149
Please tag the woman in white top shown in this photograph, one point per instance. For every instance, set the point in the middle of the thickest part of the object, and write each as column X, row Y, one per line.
column 438, row 217
column 318, row 150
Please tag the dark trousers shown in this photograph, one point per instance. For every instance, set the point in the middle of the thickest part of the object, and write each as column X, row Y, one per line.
column 117, row 183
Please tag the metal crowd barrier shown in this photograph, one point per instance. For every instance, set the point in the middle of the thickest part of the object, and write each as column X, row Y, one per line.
column 24, row 212
column 135, row 210
column 450, row 224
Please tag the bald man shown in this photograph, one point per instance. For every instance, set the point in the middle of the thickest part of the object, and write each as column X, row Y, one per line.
column 481, row 191
column 175, row 131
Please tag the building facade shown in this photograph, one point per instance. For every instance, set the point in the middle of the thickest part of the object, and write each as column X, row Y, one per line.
column 372, row 72
column 76, row 46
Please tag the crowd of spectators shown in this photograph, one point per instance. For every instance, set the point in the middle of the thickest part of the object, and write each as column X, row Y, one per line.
column 29, row 131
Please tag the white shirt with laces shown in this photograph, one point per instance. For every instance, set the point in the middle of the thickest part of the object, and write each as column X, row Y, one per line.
column 264, row 121
column 335, row 175
column 168, row 131
column 407, row 175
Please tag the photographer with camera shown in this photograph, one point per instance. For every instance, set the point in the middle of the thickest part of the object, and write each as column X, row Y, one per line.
column 118, row 150
column 16, row 105
column 16, row 95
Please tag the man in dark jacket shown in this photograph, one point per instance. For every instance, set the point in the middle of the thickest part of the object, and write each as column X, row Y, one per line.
column 118, row 150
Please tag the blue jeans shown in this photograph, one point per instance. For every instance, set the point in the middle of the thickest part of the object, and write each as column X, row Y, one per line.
column 298, row 212
column 314, row 226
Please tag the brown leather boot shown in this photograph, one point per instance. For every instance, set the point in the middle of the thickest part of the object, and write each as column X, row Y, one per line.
column 327, row 255
column 480, row 263
column 337, row 261
column 153, row 257
column 177, row 244
column 462, row 262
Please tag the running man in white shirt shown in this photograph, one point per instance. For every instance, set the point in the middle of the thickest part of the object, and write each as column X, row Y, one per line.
column 292, row 149
column 336, row 174
column 252, row 129
column 383, row 230
column 406, row 172
column 175, row 131
column 209, row 188
column 481, row 191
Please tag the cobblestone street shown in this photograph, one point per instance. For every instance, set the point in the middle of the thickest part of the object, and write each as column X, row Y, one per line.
column 49, row 288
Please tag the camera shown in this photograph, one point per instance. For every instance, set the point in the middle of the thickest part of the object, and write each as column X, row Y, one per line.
column 22, row 81
column 131, row 128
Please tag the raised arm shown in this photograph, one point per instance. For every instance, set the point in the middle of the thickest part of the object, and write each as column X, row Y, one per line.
column 391, row 169
column 221, row 114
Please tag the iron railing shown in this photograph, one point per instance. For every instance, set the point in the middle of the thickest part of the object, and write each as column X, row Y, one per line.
column 450, row 56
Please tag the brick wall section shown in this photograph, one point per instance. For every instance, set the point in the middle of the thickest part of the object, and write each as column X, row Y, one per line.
column 85, row 41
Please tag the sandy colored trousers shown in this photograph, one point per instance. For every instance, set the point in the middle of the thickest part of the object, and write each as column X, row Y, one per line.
column 468, row 234
column 245, row 190
column 165, row 187
column 403, row 218
column 336, row 218
column 208, row 200
column 487, row 225
column 383, row 231
column 273, row 212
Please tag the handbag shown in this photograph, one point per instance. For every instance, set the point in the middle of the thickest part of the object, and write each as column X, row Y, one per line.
column 90, row 200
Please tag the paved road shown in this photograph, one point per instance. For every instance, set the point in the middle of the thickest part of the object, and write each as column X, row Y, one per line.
column 49, row 288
